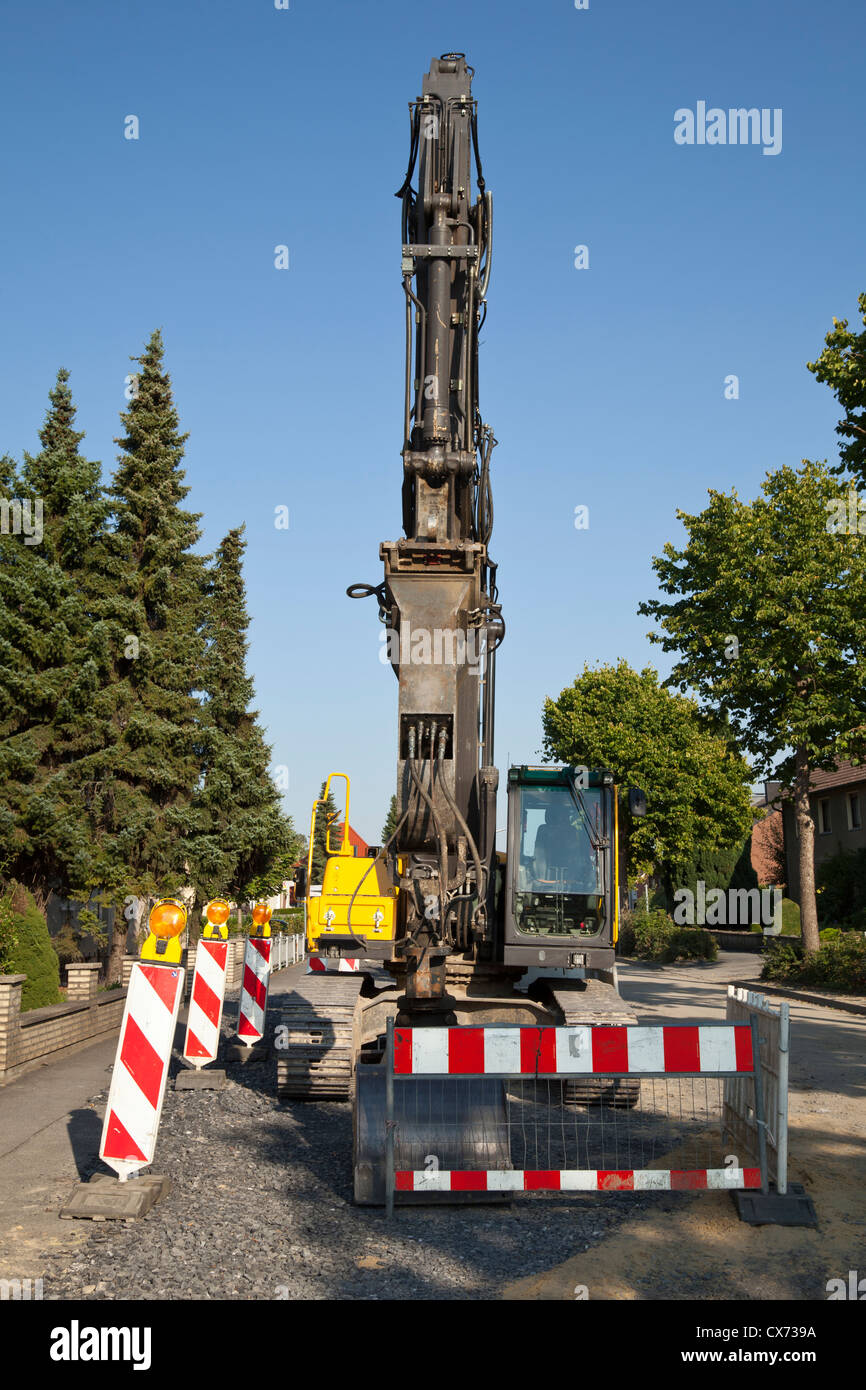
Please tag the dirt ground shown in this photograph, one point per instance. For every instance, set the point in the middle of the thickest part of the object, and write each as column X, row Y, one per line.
column 699, row 1238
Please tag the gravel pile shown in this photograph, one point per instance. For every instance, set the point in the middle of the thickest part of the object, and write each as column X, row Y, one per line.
column 261, row 1207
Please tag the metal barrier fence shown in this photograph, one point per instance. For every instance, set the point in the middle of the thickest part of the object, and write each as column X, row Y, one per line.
column 503, row 1109
column 740, row 1120
column 287, row 948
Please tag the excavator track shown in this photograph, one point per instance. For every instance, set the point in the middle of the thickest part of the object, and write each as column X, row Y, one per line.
column 598, row 1003
column 316, row 1059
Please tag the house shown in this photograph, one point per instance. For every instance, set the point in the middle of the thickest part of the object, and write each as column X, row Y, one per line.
column 768, row 837
column 838, row 802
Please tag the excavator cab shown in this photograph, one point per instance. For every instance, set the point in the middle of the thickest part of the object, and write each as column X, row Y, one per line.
column 561, row 904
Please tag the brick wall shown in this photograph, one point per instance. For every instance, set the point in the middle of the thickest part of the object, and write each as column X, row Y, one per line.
column 27, row 1040
column 768, row 850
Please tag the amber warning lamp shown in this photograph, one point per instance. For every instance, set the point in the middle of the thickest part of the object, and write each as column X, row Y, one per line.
column 216, row 914
column 166, row 924
column 261, row 920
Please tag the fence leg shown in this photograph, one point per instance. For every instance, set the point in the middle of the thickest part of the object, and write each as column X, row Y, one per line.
column 760, row 1120
column 389, row 1121
column 782, row 1119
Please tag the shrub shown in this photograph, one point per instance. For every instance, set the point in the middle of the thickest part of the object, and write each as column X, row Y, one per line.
column 790, row 919
column 839, row 965
column 841, row 889
column 7, row 934
column 288, row 919
column 33, row 954
column 67, row 944
column 625, row 940
column 691, row 943
column 654, row 936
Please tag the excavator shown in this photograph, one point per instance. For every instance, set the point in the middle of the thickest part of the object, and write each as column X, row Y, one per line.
column 436, row 927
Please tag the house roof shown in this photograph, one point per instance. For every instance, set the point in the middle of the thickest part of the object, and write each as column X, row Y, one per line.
column 354, row 839
column 845, row 775
column 360, row 846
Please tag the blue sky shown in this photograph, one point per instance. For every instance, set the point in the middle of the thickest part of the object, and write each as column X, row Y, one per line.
column 605, row 386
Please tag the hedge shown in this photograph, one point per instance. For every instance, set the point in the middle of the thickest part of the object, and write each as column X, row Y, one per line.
column 32, row 953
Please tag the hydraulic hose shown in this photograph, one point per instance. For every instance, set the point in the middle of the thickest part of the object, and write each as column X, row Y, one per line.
column 481, row 876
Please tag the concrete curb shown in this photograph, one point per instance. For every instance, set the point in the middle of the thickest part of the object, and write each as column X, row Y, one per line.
column 828, row 1001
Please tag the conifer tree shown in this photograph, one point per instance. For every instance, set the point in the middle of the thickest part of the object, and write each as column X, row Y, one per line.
column 50, row 652
column 244, row 845
column 390, row 821
column 140, row 785
column 327, row 814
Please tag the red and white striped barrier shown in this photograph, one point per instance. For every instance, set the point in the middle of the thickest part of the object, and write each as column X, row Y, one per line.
column 254, row 989
column 574, row 1180
column 687, row 1049
column 206, row 1002
column 141, row 1067
column 345, row 965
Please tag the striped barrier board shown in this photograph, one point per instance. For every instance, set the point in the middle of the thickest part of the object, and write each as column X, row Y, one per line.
column 206, row 1002
column 575, row 1180
column 599, row 1050
column 141, row 1067
column 346, row 965
column 254, row 989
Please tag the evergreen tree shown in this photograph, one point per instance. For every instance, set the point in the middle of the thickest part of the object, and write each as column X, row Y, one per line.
column 244, row 845
column 50, row 657
column 139, row 785
column 726, row 868
column 391, row 821
column 326, row 815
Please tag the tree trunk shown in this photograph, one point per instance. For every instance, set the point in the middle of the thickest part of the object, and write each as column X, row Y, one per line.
column 194, row 921
column 117, row 950
column 143, row 906
column 806, row 828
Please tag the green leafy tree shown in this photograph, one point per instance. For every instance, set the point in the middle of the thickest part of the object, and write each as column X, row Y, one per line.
column 51, row 662
column 244, row 846
column 696, row 784
column 769, row 619
column 842, row 366
column 390, row 822
column 139, row 783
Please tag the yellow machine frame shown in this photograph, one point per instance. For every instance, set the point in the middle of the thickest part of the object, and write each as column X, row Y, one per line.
column 362, row 887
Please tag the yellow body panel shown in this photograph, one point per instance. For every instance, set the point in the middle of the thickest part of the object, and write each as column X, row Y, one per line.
column 163, row 951
column 362, row 884
column 374, row 910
